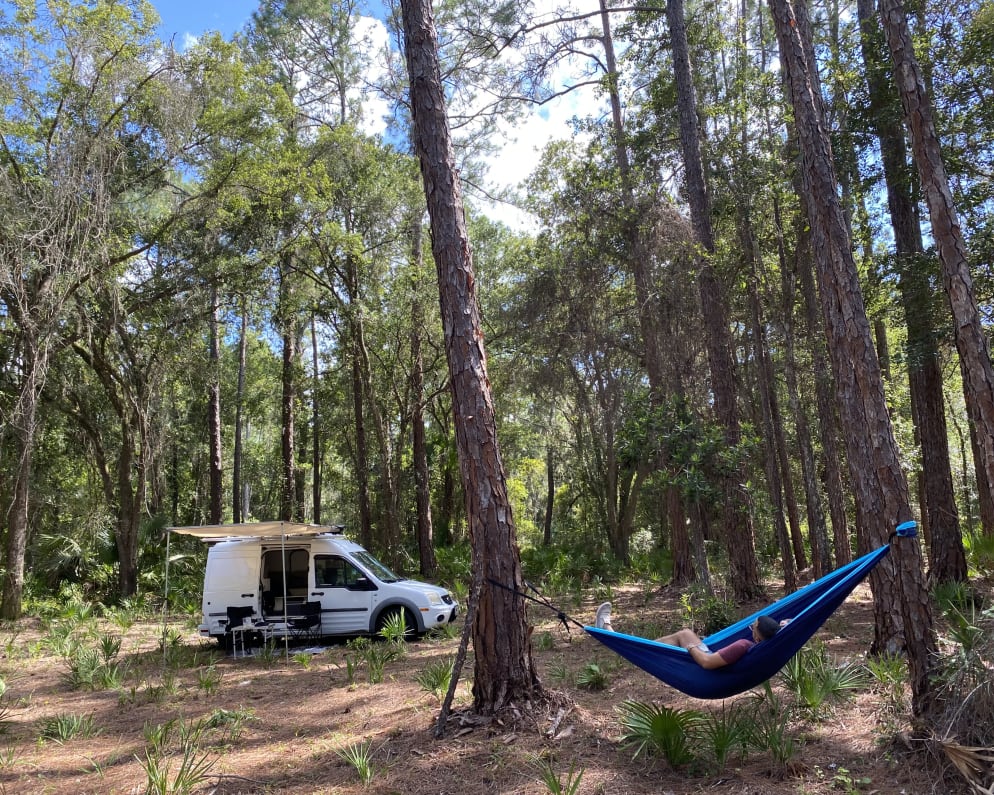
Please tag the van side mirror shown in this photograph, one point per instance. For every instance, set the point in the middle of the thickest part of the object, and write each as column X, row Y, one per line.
column 363, row 584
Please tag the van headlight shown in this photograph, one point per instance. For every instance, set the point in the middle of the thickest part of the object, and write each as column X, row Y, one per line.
column 434, row 599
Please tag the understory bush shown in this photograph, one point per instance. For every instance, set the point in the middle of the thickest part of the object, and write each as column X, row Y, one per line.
column 815, row 679
column 708, row 741
column 963, row 719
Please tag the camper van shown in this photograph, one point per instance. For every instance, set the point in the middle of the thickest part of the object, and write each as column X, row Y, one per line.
column 297, row 579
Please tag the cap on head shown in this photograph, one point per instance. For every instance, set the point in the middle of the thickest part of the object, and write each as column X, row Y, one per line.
column 767, row 626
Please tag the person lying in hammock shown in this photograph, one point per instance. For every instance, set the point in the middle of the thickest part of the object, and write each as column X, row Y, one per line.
column 763, row 628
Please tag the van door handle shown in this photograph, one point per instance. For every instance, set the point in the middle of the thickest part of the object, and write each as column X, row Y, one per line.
column 247, row 595
column 317, row 593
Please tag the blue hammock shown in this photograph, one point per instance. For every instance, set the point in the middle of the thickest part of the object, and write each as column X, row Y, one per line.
column 807, row 608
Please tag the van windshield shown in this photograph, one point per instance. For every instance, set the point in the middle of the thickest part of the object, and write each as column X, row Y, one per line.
column 379, row 570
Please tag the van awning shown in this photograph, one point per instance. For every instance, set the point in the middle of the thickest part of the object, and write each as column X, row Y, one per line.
column 255, row 530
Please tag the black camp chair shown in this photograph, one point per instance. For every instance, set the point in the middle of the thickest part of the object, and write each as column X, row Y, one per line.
column 307, row 626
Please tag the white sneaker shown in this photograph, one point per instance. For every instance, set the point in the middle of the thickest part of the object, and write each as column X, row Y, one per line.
column 602, row 619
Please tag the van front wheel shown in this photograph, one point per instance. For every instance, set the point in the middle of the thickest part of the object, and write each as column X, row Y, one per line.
column 388, row 624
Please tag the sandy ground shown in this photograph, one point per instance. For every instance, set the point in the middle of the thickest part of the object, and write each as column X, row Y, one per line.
column 282, row 724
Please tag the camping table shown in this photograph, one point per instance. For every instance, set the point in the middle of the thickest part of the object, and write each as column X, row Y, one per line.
column 264, row 629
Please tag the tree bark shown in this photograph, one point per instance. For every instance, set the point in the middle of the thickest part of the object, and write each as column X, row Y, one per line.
column 428, row 564
column 971, row 342
column 288, row 403
column 504, row 672
column 316, row 468
column 236, row 456
column 738, row 534
column 216, row 511
column 947, row 558
column 821, row 558
column 828, row 423
column 550, row 495
column 902, row 607
column 775, row 487
column 24, row 424
column 682, row 553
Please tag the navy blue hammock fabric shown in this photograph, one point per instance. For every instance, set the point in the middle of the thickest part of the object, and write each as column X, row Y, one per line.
column 808, row 608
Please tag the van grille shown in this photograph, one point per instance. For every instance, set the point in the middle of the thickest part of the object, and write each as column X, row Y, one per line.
column 447, row 598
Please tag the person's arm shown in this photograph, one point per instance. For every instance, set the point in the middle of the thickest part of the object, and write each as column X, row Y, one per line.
column 706, row 659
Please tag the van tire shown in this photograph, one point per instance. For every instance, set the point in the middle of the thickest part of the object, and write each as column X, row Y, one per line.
column 410, row 623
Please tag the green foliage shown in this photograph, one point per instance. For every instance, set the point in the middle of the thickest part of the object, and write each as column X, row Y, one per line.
column 374, row 656
column 848, row 783
column 454, row 567
column 591, row 677
column 559, row 672
column 653, row 729
column 558, row 570
column 815, row 679
column 209, row 679
column 770, row 728
column 964, row 684
column 890, row 671
column 67, row 726
column 443, row 632
column 436, row 676
column 180, row 770
column 980, row 552
column 4, row 706
column 706, row 612
column 395, row 630
column 360, row 756
column 228, row 722
column 554, row 782
column 725, row 734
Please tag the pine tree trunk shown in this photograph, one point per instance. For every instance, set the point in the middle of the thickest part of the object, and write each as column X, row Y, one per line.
column 550, row 495
column 775, row 487
column 821, row 560
column 504, row 672
column 947, row 559
column 901, row 601
column 288, row 406
column 361, row 450
column 971, row 342
column 316, row 468
column 236, row 459
column 676, row 518
column 17, row 525
column 428, row 564
column 828, row 424
column 738, row 535
column 216, row 511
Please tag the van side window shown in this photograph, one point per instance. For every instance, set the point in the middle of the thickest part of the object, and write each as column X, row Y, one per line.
column 331, row 571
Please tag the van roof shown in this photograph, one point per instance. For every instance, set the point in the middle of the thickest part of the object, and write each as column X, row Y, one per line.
column 213, row 532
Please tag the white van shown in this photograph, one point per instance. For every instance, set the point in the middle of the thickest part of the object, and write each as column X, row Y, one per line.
column 275, row 573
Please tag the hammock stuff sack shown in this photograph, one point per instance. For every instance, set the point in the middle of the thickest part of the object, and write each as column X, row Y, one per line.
column 808, row 608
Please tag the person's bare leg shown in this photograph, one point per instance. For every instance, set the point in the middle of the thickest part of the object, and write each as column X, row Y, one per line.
column 684, row 638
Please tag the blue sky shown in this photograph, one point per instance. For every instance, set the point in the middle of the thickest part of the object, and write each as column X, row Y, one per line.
column 184, row 18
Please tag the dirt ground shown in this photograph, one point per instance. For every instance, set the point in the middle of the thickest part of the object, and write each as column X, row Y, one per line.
column 293, row 720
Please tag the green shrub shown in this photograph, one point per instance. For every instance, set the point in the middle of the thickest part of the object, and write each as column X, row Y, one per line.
column 815, row 679
column 436, row 676
column 554, row 784
column 653, row 729
column 360, row 757
column 591, row 677
column 725, row 734
column 66, row 726
column 706, row 612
